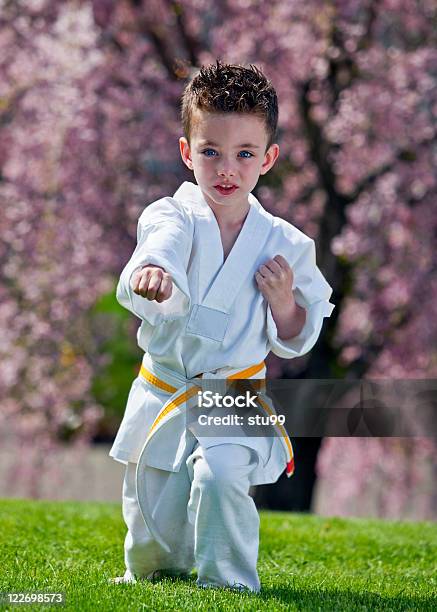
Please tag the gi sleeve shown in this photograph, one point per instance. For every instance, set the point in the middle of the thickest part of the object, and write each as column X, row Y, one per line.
column 164, row 238
column 312, row 292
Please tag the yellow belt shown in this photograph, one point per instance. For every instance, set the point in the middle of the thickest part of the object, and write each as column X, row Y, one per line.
column 186, row 395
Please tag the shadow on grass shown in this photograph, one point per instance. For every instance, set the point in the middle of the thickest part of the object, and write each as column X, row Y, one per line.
column 318, row 599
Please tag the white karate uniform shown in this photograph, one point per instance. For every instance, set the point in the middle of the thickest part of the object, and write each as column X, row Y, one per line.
column 216, row 318
column 209, row 519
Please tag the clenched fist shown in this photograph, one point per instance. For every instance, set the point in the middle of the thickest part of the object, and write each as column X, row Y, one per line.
column 152, row 283
column 274, row 280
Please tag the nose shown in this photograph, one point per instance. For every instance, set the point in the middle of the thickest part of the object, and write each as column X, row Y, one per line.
column 226, row 173
column 225, row 169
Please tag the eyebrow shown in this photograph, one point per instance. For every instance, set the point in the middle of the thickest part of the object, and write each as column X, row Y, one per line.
column 214, row 144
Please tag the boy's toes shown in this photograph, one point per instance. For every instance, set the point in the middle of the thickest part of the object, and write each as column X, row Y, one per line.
column 116, row 580
column 128, row 578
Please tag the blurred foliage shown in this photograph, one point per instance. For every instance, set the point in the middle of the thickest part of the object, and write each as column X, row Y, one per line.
column 113, row 380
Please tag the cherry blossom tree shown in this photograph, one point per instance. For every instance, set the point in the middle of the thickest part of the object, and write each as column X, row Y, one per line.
column 89, row 100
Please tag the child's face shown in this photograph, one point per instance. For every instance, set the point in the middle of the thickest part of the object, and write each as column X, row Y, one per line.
column 228, row 148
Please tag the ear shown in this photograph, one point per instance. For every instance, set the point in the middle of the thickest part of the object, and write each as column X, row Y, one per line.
column 184, row 148
column 270, row 157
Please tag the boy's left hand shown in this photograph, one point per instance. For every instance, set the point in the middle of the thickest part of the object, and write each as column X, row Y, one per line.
column 274, row 280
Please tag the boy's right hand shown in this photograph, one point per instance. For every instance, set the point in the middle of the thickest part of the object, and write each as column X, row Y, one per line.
column 153, row 283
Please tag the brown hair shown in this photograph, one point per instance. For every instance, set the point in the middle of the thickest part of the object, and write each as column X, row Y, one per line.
column 231, row 88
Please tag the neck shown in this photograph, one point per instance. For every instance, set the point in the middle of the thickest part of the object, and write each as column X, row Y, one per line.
column 229, row 217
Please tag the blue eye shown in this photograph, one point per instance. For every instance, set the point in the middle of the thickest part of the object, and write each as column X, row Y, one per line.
column 207, row 151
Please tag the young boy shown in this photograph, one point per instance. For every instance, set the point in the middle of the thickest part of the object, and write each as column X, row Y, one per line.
column 217, row 282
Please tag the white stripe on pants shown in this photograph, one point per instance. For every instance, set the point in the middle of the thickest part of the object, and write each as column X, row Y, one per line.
column 213, row 525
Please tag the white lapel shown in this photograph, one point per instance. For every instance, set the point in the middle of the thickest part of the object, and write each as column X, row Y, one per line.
column 240, row 261
column 218, row 283
column 207, row 240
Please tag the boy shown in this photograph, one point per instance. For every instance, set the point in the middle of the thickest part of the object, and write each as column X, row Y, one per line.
column 217, row 282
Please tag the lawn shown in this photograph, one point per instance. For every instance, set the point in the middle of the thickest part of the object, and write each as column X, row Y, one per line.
column 305, row 563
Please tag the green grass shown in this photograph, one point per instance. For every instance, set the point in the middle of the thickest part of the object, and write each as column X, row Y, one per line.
column 305, row 562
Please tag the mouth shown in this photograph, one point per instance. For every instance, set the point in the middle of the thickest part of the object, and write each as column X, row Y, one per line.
column 225, row 190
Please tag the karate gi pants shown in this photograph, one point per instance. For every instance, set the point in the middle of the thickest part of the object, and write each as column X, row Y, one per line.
column 205, row 514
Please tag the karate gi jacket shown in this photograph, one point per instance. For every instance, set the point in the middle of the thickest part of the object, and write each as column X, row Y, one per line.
column 216, row 316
